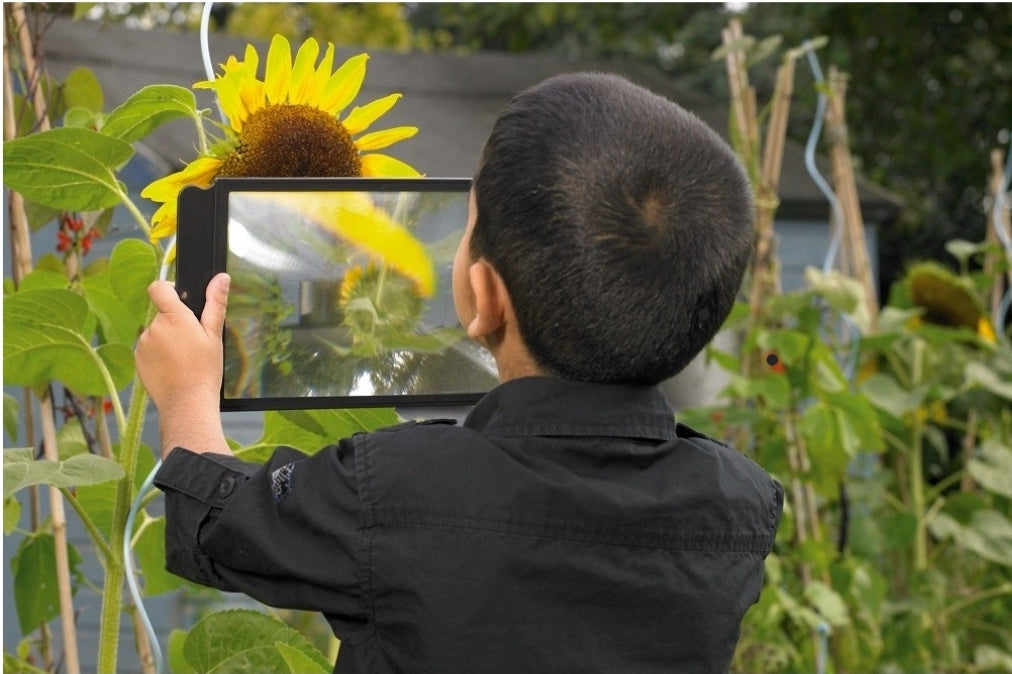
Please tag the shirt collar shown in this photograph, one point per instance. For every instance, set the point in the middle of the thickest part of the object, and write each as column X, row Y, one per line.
column 561, row 407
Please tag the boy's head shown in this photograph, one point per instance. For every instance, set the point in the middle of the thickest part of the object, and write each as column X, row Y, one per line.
column 620, row 224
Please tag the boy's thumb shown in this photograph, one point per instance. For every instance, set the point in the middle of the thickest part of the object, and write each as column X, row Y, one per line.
column 213, row 316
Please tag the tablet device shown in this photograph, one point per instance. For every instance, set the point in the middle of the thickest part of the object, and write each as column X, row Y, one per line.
column 341, row 290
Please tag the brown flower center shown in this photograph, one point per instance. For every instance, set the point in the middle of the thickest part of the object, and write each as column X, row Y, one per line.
column 292, row 141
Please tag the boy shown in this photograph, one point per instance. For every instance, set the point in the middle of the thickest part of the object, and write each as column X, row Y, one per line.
column 570, row 524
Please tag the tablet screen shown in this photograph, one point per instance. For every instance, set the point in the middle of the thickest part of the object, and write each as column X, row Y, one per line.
column 341, row 295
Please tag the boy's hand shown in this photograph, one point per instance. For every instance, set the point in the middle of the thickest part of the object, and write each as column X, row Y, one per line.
column 179, row 361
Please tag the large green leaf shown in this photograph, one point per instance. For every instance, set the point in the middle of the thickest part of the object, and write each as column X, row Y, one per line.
column 22, row 470
column 11, row 409
column 310, row 430
column 116, row 322
column 978, row 374
column 46, row 337
column 67, row 168
column 132, row 267
column 987, row 534
column 148, row 109
column 36, row 596
column 300, row 662
column 80, row 89
column 12, row 515
column 885, row 393
column 150, row 553
column 176, row 656
column 244, row 641
column 12, row 665
column 991, row 468
column 828, row 603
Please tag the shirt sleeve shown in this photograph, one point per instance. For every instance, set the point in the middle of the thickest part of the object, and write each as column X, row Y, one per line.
column 287, row 533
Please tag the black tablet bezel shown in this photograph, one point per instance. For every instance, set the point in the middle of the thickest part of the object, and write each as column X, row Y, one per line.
column 202, row 251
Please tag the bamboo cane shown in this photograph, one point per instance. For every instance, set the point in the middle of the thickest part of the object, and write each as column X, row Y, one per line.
column 853, row 242
column 22, row 257
column 1003, row 220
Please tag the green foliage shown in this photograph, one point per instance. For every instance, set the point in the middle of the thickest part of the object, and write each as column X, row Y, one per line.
column 895, row 448
column 71, row 328
column 47, row 335
column 36, row 596
column 373, row 24
column 244, row 641
column 22, row 469
column 69, row 168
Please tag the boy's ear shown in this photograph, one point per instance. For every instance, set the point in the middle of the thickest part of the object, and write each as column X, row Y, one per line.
column 490, row 300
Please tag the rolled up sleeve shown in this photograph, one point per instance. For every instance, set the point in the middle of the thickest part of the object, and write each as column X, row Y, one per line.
column 287, row 533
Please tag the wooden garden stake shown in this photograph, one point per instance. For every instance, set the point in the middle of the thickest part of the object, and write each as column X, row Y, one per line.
column 853, row 245
column 22, row 265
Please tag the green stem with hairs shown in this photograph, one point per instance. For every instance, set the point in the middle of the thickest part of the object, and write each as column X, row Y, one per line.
column 112, row 594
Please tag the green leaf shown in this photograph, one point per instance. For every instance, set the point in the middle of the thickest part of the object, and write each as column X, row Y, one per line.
column 311, row 430
column 789, row 345
column 132, row 267
column 99, row 501
column 243, row 641
column 12, row 665
column 46, row 337
column 39, row 216
column 11, row 410
column 36, row 596
column 885, row 393
column 116, row 323
column 70, row 440
column 148, row 109
column 991, row 468
column 176, row 656
column 300, row 662
column 989, row 658
column 978, row 374
column 68, row 168
column 43, row 279
column 150, row 553
column 82, row 118
column 12, row 515
column 81, row 89
column 22, row 470
column 828, row 603
column 988, row 534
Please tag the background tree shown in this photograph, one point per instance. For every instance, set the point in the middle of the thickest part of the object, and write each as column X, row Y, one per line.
column 930, row 91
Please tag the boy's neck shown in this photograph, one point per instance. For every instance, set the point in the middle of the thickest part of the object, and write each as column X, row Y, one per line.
column 512, row 358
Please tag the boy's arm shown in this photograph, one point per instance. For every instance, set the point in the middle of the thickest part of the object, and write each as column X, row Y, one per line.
column 179, row 361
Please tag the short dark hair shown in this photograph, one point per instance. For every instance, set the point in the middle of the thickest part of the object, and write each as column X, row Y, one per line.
column 620, row 223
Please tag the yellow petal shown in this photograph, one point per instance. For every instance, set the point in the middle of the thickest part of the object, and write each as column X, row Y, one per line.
column 163, row 222
column 378, row 140
column 383, row 166
column 278, row 70
column 359, row 119
column 200, row 172
column 344, row 85
column 302, row 72
column 389, row 243
column 321, row 76
column 986, row 331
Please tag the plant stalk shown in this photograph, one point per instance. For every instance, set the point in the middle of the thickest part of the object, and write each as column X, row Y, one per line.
column 916, row 467
column 112, row 595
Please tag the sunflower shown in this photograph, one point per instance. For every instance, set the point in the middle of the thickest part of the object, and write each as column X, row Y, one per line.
column 947, row 299
column 289, row 125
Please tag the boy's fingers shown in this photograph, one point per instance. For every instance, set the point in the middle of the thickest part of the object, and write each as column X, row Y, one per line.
column 163, row 295
column 213, row 316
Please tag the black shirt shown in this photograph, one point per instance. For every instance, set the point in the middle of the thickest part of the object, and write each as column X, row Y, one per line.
column 566, row 527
